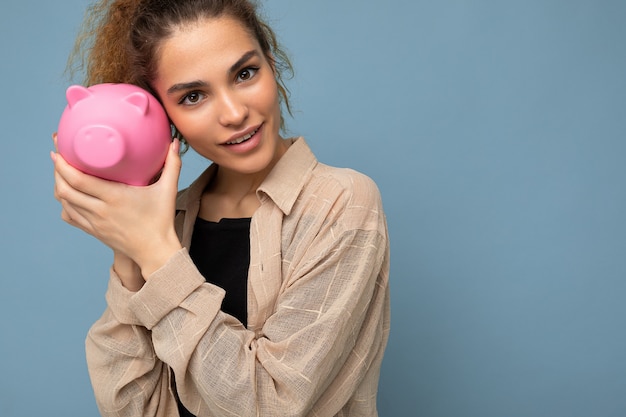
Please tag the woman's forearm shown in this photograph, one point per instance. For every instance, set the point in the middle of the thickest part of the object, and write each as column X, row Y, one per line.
column 128, row 272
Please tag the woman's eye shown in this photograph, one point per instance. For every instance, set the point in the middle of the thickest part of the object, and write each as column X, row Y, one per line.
column 247, row 74
column 191, row 98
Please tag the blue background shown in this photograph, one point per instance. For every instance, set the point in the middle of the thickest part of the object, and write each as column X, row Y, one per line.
column 495, row 130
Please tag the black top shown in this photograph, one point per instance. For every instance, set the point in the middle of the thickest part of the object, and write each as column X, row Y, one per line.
column 221, row 252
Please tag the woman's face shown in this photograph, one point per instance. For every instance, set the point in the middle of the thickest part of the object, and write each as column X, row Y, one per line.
column 219, row 90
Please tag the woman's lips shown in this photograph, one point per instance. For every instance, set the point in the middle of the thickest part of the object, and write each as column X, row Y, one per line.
column 243, row 138
column 246, row 142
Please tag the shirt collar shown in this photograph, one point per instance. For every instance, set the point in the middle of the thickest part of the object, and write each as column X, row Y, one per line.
column 284, row 183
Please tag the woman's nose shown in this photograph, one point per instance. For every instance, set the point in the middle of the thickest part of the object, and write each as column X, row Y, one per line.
column 233, row 111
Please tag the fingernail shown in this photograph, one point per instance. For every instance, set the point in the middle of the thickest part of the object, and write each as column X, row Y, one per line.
column 176, row 145
column 53, row 156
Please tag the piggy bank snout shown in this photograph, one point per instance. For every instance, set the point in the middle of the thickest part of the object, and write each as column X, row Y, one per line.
column 99, row 146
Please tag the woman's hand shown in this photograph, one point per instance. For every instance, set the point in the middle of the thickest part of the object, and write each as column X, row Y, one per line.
column 137, row 222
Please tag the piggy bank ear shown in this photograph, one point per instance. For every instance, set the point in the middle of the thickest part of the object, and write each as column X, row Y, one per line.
column 76, row 93
column 138, row 100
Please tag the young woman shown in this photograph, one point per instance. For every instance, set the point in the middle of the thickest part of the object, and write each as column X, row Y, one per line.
column 262, row 288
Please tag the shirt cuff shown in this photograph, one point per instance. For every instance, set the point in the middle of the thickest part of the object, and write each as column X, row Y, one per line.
column 166, row 289
column 118, row 299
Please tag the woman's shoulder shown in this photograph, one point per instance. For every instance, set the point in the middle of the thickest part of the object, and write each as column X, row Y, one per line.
column 300, row 154
column 345, row 197
column 346, row 181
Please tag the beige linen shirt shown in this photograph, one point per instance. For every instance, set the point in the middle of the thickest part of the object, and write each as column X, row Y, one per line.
column 318, row 310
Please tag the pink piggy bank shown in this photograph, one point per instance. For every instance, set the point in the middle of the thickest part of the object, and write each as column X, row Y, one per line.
column 119, row 132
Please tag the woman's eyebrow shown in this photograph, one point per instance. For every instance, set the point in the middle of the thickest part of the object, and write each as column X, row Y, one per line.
column 186, row 86
column 245, row 57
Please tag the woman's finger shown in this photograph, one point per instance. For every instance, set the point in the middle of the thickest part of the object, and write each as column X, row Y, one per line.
column 171, row 170
column 78, row 180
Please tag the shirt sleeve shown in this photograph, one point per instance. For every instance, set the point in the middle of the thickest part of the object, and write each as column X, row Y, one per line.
column 329, row 325
column 127, row 376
